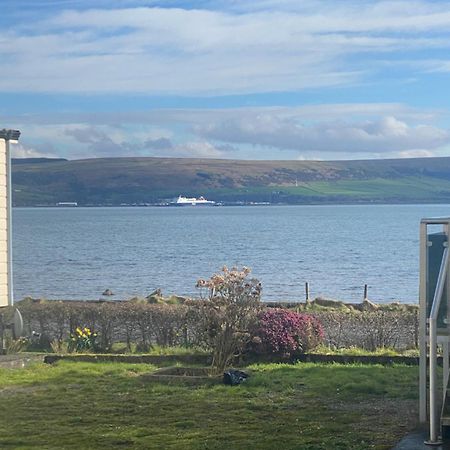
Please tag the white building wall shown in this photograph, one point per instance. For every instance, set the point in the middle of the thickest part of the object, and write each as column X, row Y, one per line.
column 3, row 226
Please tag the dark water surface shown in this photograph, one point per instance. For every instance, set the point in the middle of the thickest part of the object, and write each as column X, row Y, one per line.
column 76, row 253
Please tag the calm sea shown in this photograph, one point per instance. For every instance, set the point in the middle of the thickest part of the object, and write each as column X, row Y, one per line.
column 76, row 253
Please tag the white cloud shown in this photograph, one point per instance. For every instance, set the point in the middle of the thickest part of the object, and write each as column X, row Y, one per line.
column 21, row 151
column 442, row 66
column 240, row 48
column 197, row 149
column 159, row 144
column 160, row 119
column 82, row 140
column 416, row 154
column 190, row 149
column 312, row 132
column 384, row 135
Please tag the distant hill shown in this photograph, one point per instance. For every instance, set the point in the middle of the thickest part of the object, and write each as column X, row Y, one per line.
column 115, row 181
column 36, row 160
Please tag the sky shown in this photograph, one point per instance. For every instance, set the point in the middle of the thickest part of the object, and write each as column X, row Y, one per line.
column 240, row 79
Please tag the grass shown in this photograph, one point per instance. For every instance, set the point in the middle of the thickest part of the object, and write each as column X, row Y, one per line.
column 159, row 350
column 358, row 351
column 415, row 187
column 304, row 406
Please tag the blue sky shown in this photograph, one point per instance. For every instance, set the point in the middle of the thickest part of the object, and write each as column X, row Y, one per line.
column 286, row 79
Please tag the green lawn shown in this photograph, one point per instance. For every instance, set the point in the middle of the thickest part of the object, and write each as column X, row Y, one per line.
column 108, row 405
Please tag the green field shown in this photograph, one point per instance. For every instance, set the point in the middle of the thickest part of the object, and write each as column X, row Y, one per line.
column 400, row 190
column 74, row 405
column 418, row 188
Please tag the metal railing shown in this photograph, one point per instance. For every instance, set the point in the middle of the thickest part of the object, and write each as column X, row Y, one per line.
column 433, row 326
column 432, row 330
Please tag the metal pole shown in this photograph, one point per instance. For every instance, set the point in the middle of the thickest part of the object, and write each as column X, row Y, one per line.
column 433, row 382
column 445, row 364
column 365, row 292
column 2, row 336
column 307, row 291
column 423, row 324
column 9, row 224
column 445, row 344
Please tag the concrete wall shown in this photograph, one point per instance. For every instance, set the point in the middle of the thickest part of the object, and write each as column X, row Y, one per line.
column 3, row 226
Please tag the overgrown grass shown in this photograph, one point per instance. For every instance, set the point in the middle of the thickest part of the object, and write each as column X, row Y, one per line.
column 159, row 350
column 304, row 406
column 358, row 351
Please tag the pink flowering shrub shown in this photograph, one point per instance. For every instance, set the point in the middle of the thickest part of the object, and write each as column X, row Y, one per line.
column 285, row 332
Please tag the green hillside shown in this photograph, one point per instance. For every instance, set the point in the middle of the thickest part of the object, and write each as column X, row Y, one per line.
column 115, row 181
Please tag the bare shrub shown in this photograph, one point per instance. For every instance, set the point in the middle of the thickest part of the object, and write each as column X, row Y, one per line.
column 370, row 329
column 167, row 324
column 195, row 333
column 230, row 311
column 128, row 314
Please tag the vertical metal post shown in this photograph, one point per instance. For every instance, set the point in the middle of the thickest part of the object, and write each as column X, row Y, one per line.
column 2, row 335
column 423, row 323
column 445, row 366
column 307, row 292
column 365, row 292
column 434, row 425
column 445, row 345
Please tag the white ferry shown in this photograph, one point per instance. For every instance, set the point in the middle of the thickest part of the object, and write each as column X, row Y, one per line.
column 191, row 201
column 72, row 204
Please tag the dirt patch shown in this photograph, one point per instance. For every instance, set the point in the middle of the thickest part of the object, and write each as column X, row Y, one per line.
column 185, row 375
column 18, row 361
column 133, row 359
column 185, row 371
column 396, row 416
column 14, row 390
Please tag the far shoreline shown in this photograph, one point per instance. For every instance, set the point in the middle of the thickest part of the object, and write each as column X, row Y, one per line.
column 234, row 205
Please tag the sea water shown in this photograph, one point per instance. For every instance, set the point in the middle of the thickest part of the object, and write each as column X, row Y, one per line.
column 76, row 253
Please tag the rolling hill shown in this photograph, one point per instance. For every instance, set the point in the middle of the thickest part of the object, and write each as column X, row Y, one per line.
column 115, row 181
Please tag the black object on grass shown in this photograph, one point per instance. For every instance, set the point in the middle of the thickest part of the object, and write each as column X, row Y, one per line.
column 234, row 377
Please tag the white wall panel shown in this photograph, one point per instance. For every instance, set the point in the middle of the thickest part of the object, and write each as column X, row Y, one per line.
column 3, row 227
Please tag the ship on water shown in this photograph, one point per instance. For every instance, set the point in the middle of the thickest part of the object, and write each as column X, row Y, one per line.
column 191, row 201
